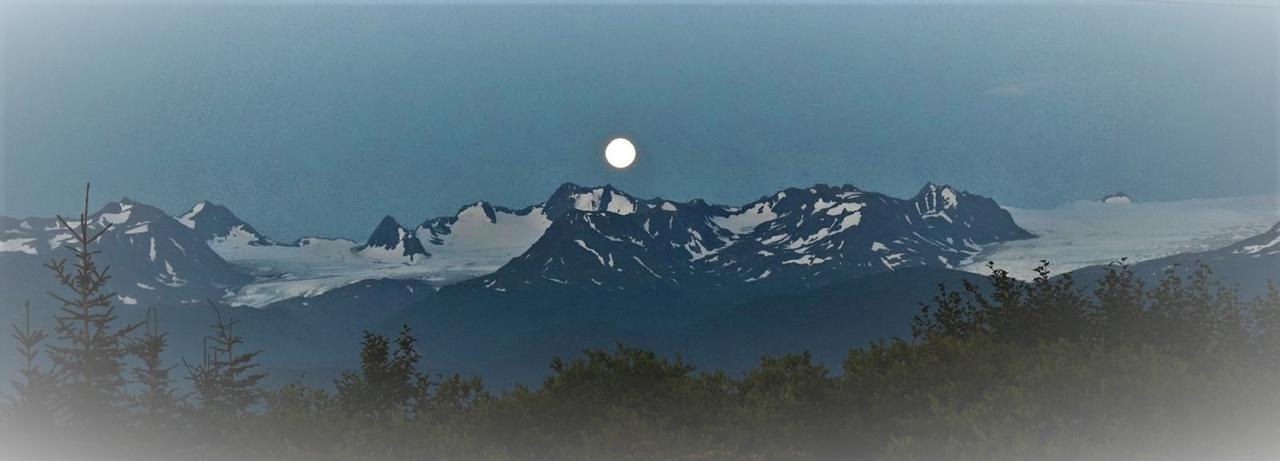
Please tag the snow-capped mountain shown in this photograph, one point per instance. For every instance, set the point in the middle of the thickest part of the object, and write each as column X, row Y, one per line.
column 486, row 234
column 595, row 249
column 215, row 223
column 611, row 240
column 152, row 256
column 390, row 241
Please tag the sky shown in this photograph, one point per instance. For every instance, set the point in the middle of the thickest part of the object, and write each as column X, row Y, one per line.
column 320, row 119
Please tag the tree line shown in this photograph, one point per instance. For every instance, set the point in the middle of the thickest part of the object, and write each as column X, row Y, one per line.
column 1040, row 369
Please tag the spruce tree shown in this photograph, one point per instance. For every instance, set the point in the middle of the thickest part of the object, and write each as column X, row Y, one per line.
column 156, row 404
column 89, row 357
column 224, row 381
column 32, row 403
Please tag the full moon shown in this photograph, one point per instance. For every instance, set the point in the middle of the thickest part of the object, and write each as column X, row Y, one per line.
column 620, row 153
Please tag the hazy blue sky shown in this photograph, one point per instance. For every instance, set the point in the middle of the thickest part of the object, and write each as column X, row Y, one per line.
column 319, row 120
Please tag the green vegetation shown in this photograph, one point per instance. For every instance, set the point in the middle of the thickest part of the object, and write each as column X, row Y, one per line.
column 1014, row 370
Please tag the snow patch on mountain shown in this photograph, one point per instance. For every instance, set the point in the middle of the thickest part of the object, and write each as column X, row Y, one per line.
column 188, row 218
column 844, row 208
column 603, row 199
column 17, row 246
column 474, row 231
column 620, row 204
column 746, row 220
column 807, row 260
column 238, row 235
column 1254, row 249
column 59, row 239
column 116, row 218
column 593, row 252
column 1263, row 244
column 589, row 201
column 762, row 276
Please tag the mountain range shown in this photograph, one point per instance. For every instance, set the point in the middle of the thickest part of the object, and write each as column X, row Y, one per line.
column 496, row 291
column 594, row 237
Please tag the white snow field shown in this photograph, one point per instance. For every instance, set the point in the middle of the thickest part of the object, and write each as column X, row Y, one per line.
column 320, row 265
column 1087, row 233
column 476, row 246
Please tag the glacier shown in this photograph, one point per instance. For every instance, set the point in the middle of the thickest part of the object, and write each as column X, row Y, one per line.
column 1088, row 233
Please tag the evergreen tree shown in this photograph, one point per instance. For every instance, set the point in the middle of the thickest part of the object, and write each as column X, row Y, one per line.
column 89, row 357
column 156, row 404
column 224, row 382
column 32, row 403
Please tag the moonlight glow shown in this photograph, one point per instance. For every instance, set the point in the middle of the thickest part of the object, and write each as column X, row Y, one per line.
column 620, row 153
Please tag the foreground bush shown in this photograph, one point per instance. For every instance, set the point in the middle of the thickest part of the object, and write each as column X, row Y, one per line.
column 972, row 398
